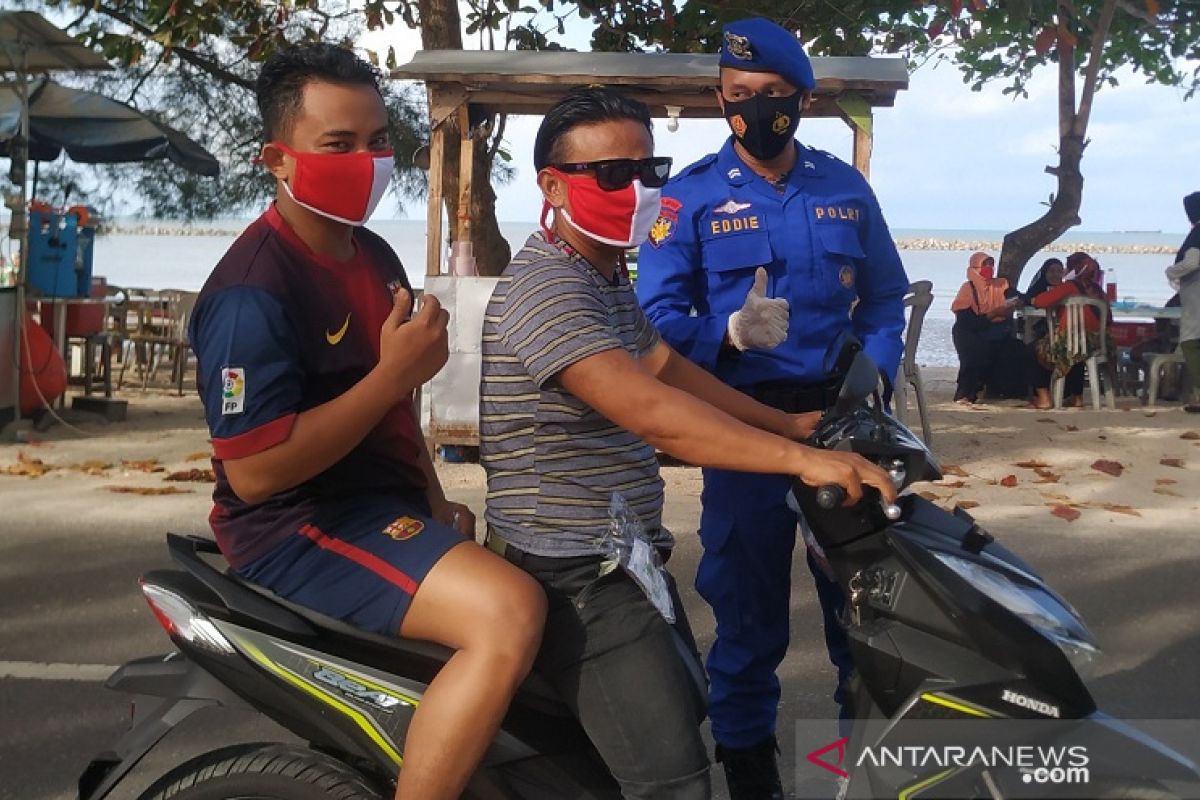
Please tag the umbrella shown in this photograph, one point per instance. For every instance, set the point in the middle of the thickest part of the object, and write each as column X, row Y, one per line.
column 31, row 43
column 94, row 129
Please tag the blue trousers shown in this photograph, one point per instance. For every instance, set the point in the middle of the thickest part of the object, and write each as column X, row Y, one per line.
column 749, row 534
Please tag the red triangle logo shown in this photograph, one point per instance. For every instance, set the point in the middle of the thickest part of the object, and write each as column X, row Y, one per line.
column 835, row 766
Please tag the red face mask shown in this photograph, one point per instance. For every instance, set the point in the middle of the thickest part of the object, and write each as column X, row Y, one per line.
column 345, row 187
column 621, row 218
column 988, row 271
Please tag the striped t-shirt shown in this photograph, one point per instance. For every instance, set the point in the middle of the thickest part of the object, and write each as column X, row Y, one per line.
column 553, row 463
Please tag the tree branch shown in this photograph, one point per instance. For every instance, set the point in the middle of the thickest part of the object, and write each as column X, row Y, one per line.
column 1099, row 37
column 190, row 56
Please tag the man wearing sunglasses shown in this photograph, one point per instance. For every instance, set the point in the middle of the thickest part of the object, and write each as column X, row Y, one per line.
column 764, row 256
column 577, row 392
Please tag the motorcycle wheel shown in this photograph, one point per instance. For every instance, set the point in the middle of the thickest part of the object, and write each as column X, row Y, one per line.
column 262, row 772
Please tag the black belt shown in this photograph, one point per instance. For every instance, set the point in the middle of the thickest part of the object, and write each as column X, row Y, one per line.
column 796, row 398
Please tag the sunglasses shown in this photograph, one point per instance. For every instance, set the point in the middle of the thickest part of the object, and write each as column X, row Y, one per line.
column 613, row 174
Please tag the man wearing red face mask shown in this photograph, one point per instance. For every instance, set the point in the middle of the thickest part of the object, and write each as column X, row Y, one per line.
column 308, row 360
column 577, row 392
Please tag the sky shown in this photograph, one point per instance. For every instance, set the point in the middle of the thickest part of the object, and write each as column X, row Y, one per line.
column 946, row 157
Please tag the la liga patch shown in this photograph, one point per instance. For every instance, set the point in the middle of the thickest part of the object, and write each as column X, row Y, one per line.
column 404, row 528
column 233, row 390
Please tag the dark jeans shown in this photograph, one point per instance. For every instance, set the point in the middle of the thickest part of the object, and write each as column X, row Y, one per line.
column 614, row 660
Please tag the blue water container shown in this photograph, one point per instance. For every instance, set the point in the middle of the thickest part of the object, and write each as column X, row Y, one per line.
column 60, row 252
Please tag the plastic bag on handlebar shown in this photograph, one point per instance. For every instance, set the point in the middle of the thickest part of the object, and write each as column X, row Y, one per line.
column 628, row 546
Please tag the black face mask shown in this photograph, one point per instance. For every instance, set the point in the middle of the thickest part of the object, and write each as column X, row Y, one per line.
column 764, row 125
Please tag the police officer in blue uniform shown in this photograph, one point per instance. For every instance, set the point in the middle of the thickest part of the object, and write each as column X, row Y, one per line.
column 764, row 256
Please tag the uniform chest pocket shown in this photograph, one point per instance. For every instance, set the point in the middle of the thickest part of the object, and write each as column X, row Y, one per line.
column 730, row 261
column 839, row 256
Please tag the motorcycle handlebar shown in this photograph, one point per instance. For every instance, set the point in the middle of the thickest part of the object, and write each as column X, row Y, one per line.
column 831, row 496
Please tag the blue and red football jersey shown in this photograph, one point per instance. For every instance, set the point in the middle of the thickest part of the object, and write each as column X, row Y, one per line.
column 279, row 330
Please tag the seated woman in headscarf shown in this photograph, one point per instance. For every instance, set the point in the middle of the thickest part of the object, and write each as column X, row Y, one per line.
column 1052, row 360
column 981, row 312
column 1047, row 277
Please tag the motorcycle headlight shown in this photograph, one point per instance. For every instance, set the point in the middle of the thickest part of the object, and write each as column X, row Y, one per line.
column 1042, row 610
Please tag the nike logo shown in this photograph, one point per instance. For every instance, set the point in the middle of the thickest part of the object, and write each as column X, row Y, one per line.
column 335, row 338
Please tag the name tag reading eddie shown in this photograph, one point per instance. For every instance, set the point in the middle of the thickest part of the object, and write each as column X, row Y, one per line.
column 735, row 225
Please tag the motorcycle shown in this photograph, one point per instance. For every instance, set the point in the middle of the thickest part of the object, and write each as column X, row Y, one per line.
column 964, row 654
column 946, row 627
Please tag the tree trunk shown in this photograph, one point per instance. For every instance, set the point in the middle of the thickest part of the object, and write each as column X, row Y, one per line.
column 441, row 29
column 1022, row 244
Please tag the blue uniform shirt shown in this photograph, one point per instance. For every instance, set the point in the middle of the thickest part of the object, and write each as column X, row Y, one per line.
column 823, row 242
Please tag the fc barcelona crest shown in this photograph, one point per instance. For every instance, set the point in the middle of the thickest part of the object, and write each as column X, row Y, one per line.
column 404, row 528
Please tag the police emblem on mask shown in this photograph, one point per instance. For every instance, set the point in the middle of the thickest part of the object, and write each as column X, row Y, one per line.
column 738, row 46
column 781, row 123
column 846, row 276
column 404, row 528
column 738, row 124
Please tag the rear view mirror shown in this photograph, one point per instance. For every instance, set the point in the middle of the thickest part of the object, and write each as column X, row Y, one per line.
column 861, row 381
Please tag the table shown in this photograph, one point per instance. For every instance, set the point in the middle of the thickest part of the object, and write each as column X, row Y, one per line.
column 1148, row 312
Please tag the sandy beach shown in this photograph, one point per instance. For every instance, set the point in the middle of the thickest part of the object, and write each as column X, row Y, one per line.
column 1134, row 468
column 1105, row 503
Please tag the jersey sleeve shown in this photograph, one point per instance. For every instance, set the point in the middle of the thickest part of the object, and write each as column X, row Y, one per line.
column 882, row 284
column 249, row 374
column 672, row 287
column 554, row 317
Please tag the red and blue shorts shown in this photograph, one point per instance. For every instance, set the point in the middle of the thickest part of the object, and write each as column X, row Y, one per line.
column 362, row 565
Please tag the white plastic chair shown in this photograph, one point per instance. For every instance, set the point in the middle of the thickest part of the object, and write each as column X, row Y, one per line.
column 1155, row 363
column 918, row 300
column 1077, row 345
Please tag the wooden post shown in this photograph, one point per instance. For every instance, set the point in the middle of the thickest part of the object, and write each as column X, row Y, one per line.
column 466, row 165
column 856, row 111
column 433, row 242
column 862, row 151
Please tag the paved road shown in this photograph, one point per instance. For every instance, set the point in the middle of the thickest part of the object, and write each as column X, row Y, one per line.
column 68, row 595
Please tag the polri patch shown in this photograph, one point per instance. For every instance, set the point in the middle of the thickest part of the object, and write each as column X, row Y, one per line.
column 404, row 528
column 233, row 390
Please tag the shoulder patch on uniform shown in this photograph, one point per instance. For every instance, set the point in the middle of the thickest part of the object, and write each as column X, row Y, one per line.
column 668, row 219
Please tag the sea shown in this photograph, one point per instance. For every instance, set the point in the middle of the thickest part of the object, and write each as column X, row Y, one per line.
column 152, row 255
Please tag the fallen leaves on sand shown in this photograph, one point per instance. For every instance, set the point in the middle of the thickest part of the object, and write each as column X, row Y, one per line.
column 930, row 496
column 1172, row 462
column 1031, row 464
column 1047, row 419
column 1165, row 491
column 1118, row 508
column 967, row 505
column 951, row 484
column 143, row 465
column 194, row 474
column 1166, row 482
column 27, row 467
column 148, row 490
column 1114, row 468
column 1065, row 512
column 98, row 468
column 956, row 471
column 1191, row 436
column 1071, row 428
column 1047, row 476
column 1009, row 481
column 199, row 455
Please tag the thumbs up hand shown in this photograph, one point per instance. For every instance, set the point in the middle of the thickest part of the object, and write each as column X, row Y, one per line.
column 762, row 322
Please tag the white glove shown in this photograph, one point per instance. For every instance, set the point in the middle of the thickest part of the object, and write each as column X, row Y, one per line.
column 1070, row 276
column 762, row 322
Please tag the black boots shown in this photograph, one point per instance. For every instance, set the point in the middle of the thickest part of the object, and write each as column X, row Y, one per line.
column 752, row 772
